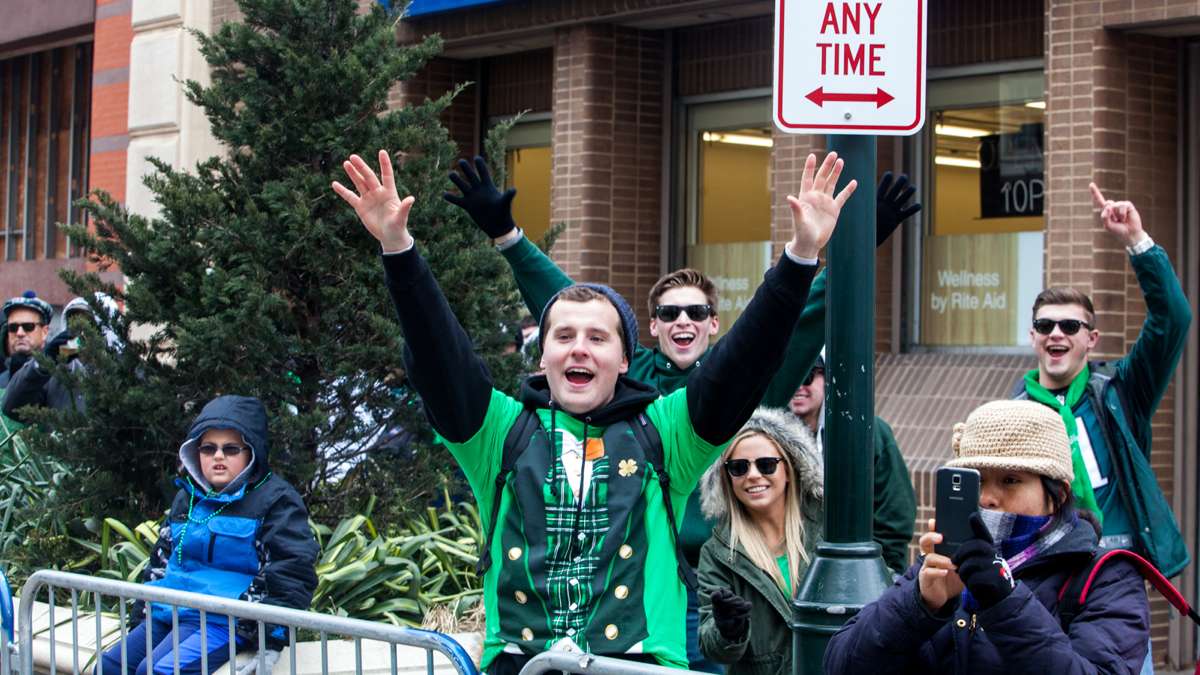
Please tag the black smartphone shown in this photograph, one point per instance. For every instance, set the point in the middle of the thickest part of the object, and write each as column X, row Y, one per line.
column 957, row 499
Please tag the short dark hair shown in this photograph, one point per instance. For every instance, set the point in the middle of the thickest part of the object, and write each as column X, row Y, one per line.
column 681, row 279
column 1060, row 295
column 1058, row 497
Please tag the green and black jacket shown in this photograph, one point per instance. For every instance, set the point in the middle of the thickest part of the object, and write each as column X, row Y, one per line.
column 1125, row 395
column 626, row 614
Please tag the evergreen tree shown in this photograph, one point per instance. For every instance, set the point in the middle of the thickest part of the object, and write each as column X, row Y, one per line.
column 256, row 279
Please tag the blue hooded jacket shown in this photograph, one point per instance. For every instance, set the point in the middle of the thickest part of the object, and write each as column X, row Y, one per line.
column 250, row 540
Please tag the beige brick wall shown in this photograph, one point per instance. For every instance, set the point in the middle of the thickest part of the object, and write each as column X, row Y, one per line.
column 607, row 157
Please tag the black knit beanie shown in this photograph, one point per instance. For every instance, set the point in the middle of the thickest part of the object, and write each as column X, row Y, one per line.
column 629, row 324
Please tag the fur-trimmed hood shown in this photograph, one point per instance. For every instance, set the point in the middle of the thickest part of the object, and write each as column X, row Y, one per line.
column 793, row 438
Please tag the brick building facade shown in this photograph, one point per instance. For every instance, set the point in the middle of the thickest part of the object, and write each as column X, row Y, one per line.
column 618, row 82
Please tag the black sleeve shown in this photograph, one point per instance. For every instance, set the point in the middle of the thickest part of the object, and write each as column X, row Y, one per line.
column 291, row 552
column 453, row 382
column 26, row 387
column 726, row 388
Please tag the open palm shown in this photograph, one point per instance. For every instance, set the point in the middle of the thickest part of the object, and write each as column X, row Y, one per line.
column 376, row 201
column 815, row 209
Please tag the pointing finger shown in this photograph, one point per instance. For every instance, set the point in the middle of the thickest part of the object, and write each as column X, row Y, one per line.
column 1097, row 196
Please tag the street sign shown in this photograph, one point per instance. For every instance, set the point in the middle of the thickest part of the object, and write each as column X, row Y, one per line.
column 845, row 67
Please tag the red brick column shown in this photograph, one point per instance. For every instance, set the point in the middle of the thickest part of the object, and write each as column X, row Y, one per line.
column 1111, row 113
column 110, row 97
column 607, row 161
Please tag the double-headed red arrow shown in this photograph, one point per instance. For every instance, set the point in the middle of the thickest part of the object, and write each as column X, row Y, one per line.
column 820, row 96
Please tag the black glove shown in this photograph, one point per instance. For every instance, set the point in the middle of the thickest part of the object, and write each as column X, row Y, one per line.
column 16, row 361
column 731, row 613
column 488, row 207
column 56, row 343
column 890, row 210
column 982, row 570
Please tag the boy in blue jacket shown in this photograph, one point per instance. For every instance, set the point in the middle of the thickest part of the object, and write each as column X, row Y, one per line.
column 236, row 530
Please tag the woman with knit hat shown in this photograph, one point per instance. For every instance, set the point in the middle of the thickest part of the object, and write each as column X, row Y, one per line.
column 993, row 607
column 766, row 495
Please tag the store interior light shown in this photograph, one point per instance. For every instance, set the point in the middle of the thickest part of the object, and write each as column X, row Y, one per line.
column 960, row 132
column 964, row 162
column 1040, row 105
column 738, row 139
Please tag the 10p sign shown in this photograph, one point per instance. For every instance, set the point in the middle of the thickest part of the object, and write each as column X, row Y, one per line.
column 844, row 67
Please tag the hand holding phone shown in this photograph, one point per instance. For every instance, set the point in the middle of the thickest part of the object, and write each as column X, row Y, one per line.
column 957, row 499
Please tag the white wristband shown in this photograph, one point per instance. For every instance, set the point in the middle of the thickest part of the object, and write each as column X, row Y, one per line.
column 1140, row 247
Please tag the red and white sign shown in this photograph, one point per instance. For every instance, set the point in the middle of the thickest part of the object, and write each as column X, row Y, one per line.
column 844, row 67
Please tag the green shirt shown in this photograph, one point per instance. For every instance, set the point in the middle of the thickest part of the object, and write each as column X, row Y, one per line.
column 782, row 561
column 663, row 605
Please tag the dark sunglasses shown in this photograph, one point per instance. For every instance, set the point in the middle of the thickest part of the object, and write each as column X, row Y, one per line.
column 1068, row 326
column 740, row 467
column 669, row 313
column 28, row 327
column 208, row 450
column 811, row 374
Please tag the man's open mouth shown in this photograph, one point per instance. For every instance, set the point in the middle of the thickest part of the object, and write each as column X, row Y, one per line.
column 683, row 338
column 579, row 376
column 1057, row 350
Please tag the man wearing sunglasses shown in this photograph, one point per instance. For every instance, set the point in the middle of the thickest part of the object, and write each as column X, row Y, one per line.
column 683, row 318
column 26, row 324
column 895, row 501
column 1107, row 406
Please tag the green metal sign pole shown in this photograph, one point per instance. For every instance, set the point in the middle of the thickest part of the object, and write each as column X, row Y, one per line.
column 848, row 571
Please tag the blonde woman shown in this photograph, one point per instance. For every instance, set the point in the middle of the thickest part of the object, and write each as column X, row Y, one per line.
column 766, row 495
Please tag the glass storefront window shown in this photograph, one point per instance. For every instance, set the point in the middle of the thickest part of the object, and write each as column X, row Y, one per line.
column 528, row 170
column 729, row 198
column 981, row 256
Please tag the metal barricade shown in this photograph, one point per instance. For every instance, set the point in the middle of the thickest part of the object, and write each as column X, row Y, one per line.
column 588, row 664
column 206, row 605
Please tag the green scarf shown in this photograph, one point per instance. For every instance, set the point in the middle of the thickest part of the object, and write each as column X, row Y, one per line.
column 1085, row 497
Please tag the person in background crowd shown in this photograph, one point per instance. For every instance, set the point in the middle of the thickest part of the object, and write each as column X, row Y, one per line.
column 1107, row 407
column 26, row 324
column 766, row 494
column 33, row 385
column 895, row 499
column 236, row 530
column 993, row 606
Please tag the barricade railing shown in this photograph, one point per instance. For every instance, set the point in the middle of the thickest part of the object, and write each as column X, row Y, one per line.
column 207, row 605
column 589, row 664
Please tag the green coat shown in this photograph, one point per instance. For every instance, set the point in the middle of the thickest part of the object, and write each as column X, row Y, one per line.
column 1125, row 395
column 538, row 279
column 767, row 647
column 895, row 500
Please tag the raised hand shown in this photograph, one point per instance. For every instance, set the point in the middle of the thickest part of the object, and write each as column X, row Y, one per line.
column 377, row 204
column 890, row 208
column 937, row 580
column 1121, row 219
column 488, row 207
column 815, row 209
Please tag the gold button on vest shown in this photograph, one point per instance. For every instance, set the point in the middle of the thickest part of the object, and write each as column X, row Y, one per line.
column 526, row 634
column 621, row 592
column 520, row 596
column 611, row 632
column 626, row 551
column 514, row 553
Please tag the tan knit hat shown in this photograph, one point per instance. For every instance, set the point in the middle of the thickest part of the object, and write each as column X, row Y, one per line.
column 1015, row 435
